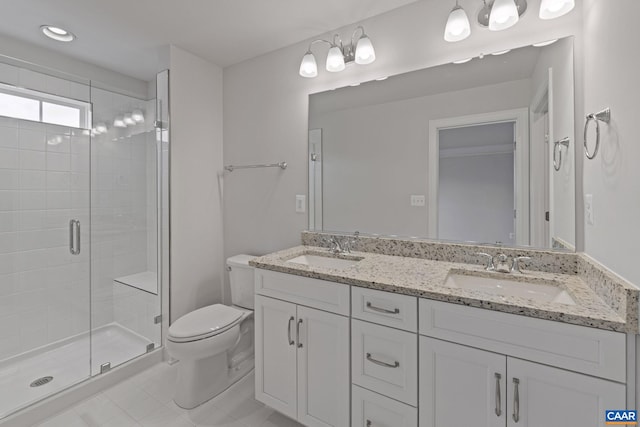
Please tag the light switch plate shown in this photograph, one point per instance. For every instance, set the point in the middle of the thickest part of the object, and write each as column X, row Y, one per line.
column 588, row 208
column 417, row 200
column 301, row 203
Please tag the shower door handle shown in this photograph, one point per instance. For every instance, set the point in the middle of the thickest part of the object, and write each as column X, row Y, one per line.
column 74, row 237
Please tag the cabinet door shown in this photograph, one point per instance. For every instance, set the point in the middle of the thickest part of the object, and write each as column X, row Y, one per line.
column 552, row 397
column 461, row 386
column 275, row 347
column 323, row 368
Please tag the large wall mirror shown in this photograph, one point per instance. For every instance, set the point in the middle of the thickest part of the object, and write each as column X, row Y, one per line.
column 478, row 151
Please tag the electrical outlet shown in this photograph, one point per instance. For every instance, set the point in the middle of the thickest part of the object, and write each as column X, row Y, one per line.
column 588, row 208
column 417, row 200
column 301, row 203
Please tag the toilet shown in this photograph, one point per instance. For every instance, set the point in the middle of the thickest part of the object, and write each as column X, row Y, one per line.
column 214, row 344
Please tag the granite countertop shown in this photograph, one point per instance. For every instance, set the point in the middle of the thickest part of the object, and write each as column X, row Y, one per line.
column 425, row 278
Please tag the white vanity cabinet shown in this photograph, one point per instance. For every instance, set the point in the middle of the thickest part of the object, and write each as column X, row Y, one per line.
column 463, row 385
column 302, row 353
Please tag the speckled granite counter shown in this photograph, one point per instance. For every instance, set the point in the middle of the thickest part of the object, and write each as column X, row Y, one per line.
column 425, row 278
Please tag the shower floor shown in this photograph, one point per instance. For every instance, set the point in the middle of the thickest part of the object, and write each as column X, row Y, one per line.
column 67, row 362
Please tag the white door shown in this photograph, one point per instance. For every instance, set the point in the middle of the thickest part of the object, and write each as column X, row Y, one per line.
column 461, row 386
column 552, row 397
column 275, row 346
column 323, row 369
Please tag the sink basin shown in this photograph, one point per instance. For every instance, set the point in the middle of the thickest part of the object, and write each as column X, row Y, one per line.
column 504, row 287
column 326, row 261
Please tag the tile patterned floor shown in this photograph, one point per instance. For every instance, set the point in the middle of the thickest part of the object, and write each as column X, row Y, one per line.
column 146, row 400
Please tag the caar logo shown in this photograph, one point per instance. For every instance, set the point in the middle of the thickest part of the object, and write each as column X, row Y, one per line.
column 621, row 417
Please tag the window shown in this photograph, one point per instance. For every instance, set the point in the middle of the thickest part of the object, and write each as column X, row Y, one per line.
column 36, row 106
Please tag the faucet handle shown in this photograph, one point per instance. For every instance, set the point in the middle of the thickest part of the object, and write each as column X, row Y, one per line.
column 515, row 265
column 489, row 258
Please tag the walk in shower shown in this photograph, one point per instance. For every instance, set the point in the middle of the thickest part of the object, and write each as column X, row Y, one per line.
column 83, row 229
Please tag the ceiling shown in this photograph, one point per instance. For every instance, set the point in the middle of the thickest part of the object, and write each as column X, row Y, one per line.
column 126, row 35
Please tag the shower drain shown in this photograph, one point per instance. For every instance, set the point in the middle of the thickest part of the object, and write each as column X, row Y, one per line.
column 41, row 381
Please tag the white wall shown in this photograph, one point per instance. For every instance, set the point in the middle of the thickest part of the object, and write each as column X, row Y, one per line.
column 266, row 101
column 196, row 159
column 611, row 64
column 375, row 157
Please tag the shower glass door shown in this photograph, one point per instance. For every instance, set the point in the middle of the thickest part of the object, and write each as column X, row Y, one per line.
column 45, row 318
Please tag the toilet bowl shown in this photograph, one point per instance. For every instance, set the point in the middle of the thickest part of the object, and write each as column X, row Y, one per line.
column 214, row 344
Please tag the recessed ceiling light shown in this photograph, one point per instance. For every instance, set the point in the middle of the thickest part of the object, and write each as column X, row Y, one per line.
column 463, row 61
column 382, row 78
column 502, row 52
column 57, row 33
column 547, row 43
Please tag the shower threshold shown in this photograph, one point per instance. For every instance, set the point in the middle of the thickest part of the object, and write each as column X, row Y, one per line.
column 67, row 361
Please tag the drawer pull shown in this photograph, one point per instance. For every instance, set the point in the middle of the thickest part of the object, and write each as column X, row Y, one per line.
column 291, row 341
column 298, row 333
column 516, row 400
column 498, row 397
column 382, row 310
column 385, row 364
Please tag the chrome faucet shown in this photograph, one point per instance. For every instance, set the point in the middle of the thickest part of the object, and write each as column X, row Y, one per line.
column 500, row 262
column 344, row 245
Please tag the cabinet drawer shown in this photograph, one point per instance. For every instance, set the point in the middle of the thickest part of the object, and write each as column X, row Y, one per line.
column 385, row 308
column 576, row 348
column 373, row 410
column 385, row 360
column 320, row 294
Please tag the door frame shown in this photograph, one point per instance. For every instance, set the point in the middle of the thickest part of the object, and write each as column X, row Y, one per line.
column 521, row 157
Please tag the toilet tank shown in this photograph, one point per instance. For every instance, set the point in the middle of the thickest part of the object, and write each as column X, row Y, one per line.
column 242, row 281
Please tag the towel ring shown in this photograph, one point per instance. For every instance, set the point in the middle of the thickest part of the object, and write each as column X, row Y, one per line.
column 557, row 147
column 601, row 116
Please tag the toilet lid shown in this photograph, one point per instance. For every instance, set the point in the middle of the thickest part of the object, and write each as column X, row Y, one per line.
column 204, row 322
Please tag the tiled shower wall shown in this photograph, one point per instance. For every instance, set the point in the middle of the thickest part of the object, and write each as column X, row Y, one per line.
column 44, row 182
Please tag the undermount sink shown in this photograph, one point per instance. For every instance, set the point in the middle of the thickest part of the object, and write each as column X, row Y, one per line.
column 504, row 287
column 326, row 261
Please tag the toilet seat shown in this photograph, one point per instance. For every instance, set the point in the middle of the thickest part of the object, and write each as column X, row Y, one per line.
column 204, row 323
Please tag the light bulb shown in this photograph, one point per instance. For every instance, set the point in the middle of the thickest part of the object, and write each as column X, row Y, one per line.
column 128, row 120
column 335, row 60
column 550, row 9
column 137, row 116
column 504, row 14
column 458, row 27
column 365, row 54
column 308, row 66
column 118, row 122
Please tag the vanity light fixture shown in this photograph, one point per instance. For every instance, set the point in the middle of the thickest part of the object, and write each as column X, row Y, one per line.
column 458, row 27
column 101, row 128
column 57, row 33
column 118, row 122
column 550, row 9
column 360, row 52
column 499, row 15
column 137, row 116
column 128, row 120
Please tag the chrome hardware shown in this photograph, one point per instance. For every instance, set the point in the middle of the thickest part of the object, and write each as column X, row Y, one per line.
column 298, row 333
column 380, row 363
column 498, row 397
column 291, row 341
column 334, row 245
column 515, row 263
column 502, row 265
column 600, row 116
column 150, row 347
column 343, row 245
column 281, row 165
column 557, row 147
column 157, row 319
column 516, row 400
column 105, row 367
column 382, row 310
column 74, row 237
column 490, row 265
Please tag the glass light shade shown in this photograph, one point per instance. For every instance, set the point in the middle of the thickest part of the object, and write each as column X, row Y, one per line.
column 118, row 122
column 128, row 120
column 137, row 116
column 458, row 27
column 504, row 14
column 308, row 66
column 101, row 128
column 335, row 60
column 550, row 9
column 365, row 54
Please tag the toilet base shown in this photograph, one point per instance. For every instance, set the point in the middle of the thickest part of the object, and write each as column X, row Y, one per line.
column 201, row 380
